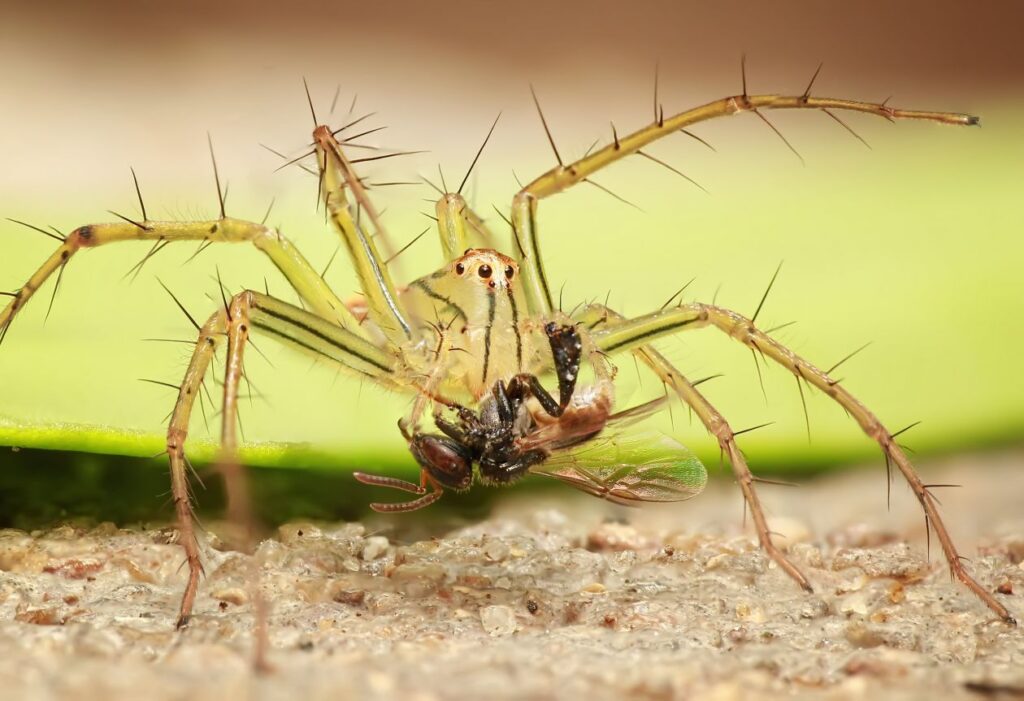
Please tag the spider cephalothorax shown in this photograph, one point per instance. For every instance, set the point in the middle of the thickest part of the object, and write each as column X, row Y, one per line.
column 500, row 331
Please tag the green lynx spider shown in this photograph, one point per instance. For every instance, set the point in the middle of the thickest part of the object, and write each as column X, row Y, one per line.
column 500, row 304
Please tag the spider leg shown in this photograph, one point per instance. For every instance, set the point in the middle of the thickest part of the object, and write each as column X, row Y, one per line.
column 236, row 479
column 459, row 227
column 310, row 287
column 350, row 217
column 565, row 175
column 639, row 331
column 246, row 312
column 713, row 421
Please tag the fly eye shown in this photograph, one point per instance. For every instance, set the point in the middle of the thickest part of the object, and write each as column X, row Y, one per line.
column 460, row 268
column 509, row 272
column 484, row 271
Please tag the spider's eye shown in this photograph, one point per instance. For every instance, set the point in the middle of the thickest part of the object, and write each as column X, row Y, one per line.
column 509, row 271
column 460, row 268
column 484, row 271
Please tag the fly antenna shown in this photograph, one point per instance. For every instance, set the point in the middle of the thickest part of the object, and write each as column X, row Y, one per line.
column 477, row 156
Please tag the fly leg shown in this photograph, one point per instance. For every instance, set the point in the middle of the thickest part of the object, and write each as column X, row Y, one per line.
column 637, row 332
column 566, row 353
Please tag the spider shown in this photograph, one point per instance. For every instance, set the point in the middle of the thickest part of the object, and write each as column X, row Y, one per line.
column 501, row 330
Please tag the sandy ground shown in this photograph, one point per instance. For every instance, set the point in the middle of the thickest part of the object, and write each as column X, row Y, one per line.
column 554, row 596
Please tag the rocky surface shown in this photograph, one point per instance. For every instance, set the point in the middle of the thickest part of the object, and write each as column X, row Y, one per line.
column 556, row 595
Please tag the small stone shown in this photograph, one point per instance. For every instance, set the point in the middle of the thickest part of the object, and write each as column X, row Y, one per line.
column 616, row 536
column 748, row 612
column 498, row 620
column 231, row 595
column 1005, row 588
column 857, row 603
column 594, row 588
column 374, row 547
column 496, row 550
column 292, row 533
column 814, row 607
column 786, row 532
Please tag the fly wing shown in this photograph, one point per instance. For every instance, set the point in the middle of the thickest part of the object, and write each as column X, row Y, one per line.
column 629, row 469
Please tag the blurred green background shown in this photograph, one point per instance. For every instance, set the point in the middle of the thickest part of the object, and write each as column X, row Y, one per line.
column 913, row 244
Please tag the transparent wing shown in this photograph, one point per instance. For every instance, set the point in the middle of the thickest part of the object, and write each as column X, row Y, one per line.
column 629, row 468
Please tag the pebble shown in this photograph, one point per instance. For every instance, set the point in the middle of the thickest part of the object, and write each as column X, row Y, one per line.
column 498, row 620
column 374, row 547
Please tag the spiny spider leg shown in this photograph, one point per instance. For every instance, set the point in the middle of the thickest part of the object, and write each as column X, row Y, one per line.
column 236, row 479
column 563, row 176
column 299, row 273
column 714, row 422
column 336, row 178
column 645, row 329
column 458, row 226
column 250, row 311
